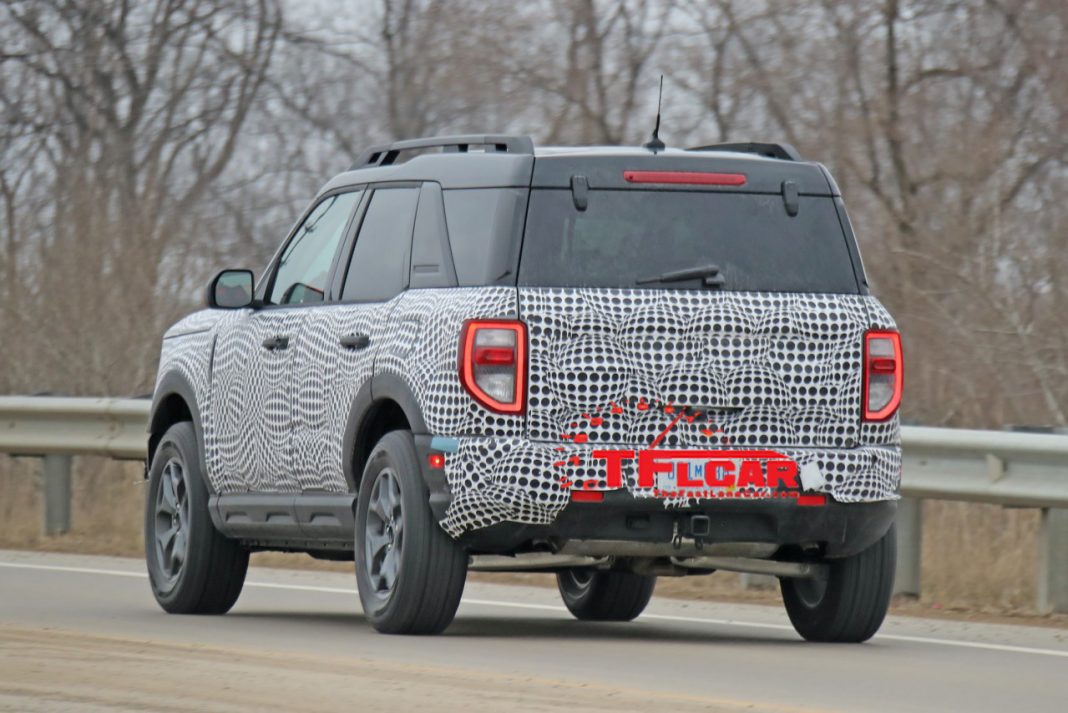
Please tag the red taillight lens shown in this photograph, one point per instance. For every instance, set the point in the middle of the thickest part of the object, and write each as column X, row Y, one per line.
column 493, row 363
column 693, row 178
column 494, row 356
column 883, row 375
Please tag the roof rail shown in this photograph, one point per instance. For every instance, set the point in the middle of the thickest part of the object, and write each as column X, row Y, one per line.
column 786, row 152
column 386, row 154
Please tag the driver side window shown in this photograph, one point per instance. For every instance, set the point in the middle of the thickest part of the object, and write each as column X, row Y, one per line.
column 304, row 268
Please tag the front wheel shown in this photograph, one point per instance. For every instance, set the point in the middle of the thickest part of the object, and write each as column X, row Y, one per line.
column 192, row 567
column 604, row 596
column 409, row 572
column 850, row 604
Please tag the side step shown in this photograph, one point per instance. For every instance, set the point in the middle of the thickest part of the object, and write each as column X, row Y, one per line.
column 285, row 518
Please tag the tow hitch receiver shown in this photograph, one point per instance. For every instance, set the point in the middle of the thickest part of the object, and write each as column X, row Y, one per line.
column 700, row 526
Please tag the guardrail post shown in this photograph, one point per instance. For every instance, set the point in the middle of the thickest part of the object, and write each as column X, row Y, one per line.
column 55, row 475
column 909, row 546
column 1053, row 561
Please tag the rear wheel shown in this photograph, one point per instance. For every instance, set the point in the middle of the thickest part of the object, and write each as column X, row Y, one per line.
column 604, row 596
column 850, row 604
column 192, row 567
column 409, row 572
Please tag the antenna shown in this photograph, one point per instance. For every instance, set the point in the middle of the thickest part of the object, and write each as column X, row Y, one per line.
column 655, row 144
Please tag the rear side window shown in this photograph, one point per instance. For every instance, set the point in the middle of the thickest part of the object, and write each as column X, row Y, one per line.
column 379, row 266
column 629, row 235
column 484, row 226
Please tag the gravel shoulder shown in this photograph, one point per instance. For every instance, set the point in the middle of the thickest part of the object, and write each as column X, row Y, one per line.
column 64, row 670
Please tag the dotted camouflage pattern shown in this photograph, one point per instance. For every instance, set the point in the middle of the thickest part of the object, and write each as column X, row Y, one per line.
column 769, row 370
column 508, row 479
column 421, row 345
column 785, row 370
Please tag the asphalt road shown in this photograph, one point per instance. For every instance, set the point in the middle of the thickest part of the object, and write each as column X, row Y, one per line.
column 83, row 633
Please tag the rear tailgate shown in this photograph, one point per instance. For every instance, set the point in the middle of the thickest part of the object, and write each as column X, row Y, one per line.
column 752, row 369
column 771, row 357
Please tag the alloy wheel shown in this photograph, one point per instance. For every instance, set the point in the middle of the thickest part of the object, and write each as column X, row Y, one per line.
column 171, row 522
column 384, row 532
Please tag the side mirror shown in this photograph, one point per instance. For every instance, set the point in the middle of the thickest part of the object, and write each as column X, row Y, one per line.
column 231, row 289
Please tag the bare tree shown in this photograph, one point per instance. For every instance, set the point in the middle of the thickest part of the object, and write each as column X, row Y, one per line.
column 587, row 65
column 943, row 122
column 143, row 144
column 135, row 111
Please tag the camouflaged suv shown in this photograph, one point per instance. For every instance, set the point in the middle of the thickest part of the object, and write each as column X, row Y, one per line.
column 608, row 363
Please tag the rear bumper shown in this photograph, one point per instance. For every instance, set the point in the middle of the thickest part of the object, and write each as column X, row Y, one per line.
column 500, row 494
column 838, row 529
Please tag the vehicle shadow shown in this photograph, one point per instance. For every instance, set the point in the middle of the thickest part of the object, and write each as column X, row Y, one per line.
column 638, row 630
column 530, row 628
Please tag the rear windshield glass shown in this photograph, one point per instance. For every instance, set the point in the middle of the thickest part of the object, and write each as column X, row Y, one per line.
column 625, row 236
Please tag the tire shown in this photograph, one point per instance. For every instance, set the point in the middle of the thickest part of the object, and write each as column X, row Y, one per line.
column 850, row 605
column 409, row 572
column 194, row 569
column 604, row 596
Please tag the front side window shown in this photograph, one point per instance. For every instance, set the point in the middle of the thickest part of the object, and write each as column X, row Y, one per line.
column 304, row 267
column 379, row 267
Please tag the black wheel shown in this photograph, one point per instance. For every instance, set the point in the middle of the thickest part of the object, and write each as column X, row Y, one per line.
column 409, row 572
column 604, row 596
column 192, row 568
column 850, row 604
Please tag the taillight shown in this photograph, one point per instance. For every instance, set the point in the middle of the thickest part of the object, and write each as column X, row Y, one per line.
column 883, row 375
column 493, row 363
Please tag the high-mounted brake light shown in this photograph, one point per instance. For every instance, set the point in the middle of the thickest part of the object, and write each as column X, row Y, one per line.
column 883, row 375
column 493, row 363
column 685, row 177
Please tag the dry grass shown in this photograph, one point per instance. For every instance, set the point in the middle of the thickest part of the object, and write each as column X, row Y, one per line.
column 978, row 560
column 106, row 516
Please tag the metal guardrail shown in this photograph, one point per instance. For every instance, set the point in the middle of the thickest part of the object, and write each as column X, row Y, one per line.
column 996, row 467
column 60, row 425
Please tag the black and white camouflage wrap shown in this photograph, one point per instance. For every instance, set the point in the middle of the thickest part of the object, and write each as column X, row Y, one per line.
column 769, row 370
column 784, row 368
column 421, row 345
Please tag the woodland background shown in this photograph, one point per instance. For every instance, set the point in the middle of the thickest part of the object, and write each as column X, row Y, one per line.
column 144, row 145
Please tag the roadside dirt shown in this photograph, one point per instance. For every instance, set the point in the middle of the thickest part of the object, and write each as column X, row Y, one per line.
column 56, row 670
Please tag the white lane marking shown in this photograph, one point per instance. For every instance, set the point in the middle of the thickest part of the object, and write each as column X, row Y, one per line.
column 787, row 627
column 559, row 610
column 76, row 570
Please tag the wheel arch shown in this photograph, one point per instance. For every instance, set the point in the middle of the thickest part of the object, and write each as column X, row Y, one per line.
column 383, row 404
column 174, row 401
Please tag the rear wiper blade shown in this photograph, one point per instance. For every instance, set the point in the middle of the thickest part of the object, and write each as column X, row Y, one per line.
column 709, row 273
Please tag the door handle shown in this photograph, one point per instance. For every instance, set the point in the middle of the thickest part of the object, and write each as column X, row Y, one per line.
column 278, row 342
column 355, row 341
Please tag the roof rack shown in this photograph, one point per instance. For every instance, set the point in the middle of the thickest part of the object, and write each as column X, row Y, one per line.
column 786, row 152
column 387, row 154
